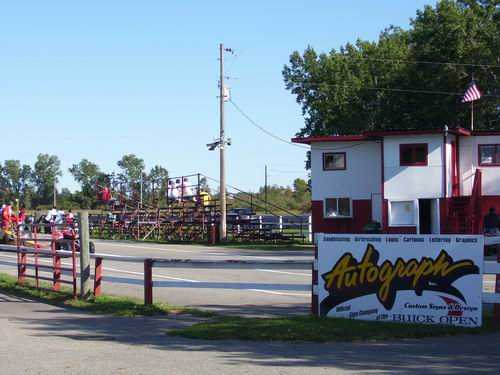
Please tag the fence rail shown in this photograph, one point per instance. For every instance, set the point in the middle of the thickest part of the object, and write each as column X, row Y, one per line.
column 489, row 268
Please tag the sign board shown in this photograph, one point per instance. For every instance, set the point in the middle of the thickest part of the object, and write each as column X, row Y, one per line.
column 431, row 279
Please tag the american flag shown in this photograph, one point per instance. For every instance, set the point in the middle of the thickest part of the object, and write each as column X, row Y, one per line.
column 472, row 93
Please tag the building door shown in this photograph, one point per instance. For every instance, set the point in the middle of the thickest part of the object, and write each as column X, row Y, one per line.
column 377, row 207
column 425, row 216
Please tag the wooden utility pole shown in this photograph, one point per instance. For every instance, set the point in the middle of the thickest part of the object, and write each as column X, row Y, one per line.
column 222, row 144
column 55, row 194
column 265, row 186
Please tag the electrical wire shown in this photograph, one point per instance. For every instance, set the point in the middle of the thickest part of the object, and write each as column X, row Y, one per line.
column 473, row 65
column 412, row 91
column 267, row 132
column 263, row 129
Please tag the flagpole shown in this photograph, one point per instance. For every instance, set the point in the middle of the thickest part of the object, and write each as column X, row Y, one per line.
column 472, row 115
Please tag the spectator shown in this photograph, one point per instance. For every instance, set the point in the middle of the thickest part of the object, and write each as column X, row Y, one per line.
column 70, row 218
column 491, row 222
column 187, row 192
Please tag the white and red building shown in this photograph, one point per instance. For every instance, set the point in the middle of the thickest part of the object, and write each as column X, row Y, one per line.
column 427, row 182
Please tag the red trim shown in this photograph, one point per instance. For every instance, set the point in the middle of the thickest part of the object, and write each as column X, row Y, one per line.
column 459, row 177
column 330, row 138
column 98, row 277
column 401, row 230
column 148, row 281
column 412, row 146
column 361, row 215
column 497, row 164
column 370, row 135
column 478, row 133
column 496, row 306
column 454, row 173
column 445, row 187
column 335, row 169
column 382, row 191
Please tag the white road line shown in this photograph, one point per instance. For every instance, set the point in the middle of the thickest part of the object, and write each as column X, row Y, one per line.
column 145, row 247
column 286, row 273
column 268, row 258
column 280, row 293
column 154, row 275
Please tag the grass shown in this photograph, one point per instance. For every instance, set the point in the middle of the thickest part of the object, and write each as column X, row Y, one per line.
column 315, row 329
column 228, row 244
column 105, row 304
column 308, row 328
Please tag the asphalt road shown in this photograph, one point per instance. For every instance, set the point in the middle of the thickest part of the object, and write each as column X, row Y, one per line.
column 42, row 339
column 253, row 291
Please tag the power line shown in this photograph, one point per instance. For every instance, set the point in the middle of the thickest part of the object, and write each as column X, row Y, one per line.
column 267, row 132
column 423, row 62
column 413, row 91
column 263, row 129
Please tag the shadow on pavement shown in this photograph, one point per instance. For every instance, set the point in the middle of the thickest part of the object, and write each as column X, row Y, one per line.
column 437, row 355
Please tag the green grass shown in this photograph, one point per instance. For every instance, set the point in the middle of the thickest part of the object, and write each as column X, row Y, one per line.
column 230, row 244
column 266, row 246
column 105, row 304
column 318, row 329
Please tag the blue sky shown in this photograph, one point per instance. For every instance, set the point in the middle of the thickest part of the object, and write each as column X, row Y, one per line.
column 97, row 79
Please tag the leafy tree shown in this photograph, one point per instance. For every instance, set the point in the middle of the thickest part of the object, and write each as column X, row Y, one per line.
column 47, row 171
column 16, row 182
column 281, row 199
column 88, row 175
column 375, row 85
column 131, row 166
column 157, row 184
column 132, row 169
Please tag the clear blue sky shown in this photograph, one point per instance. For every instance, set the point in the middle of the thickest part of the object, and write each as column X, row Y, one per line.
column 100, row 78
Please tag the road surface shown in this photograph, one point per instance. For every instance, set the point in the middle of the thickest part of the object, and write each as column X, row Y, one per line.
column 46, row 340
column 262, row 291
column 248, row 291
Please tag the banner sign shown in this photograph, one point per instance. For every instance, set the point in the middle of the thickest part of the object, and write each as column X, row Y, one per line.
column 432, row 279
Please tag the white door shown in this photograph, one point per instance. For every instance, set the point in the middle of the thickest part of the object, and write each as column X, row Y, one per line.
column 377, row 207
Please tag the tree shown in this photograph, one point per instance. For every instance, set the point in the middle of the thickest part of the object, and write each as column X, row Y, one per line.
column 47, row 170
column 88, row 175
column 378, row 85
column 132, row 170
column 16, row 182
column 157, row 183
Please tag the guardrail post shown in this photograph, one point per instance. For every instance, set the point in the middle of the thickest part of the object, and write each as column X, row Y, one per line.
column 97, row 277
column 57, row 273
column 281, row 223
column 148, row 281
column 496, row 307
column 21, row 267
column 85, row 287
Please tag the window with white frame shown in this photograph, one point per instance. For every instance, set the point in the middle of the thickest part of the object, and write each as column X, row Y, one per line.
column 334, row 161
column 489, row 155
column 402, row 213
column 337, row 207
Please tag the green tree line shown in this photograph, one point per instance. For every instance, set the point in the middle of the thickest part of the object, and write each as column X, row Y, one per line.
column 33, row 186
column 407, row 79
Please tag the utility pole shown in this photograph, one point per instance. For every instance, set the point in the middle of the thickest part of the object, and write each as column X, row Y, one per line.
column 55, row 193
column 222, row 144
column 141, row 189
column 265, row 186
